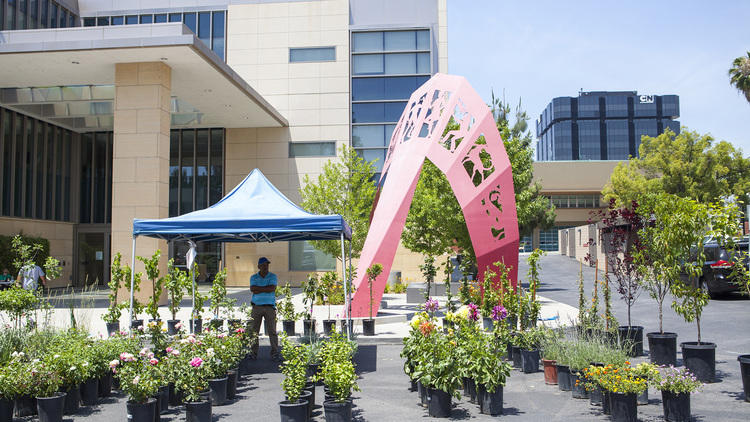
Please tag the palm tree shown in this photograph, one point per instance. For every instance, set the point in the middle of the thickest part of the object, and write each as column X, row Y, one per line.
column 739, row 75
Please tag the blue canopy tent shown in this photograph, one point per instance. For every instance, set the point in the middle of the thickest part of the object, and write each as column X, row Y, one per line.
column 254, row 211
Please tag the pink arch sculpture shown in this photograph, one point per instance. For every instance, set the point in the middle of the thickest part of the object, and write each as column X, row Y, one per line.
column 474, row 160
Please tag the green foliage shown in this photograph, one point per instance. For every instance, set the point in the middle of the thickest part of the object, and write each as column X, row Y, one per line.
column 688, row 165
column 372, row 273
column 157, row 283
column 45, row 381
column 428, row 272
column 139, row 377
column 330, row 289
column 135, row 285
column 34, row 249
column 17, row 302
column 294, row 369
column 447, row 273
column 310, row 289
column 118, row 275
column 337, row 368
column 285, row 306
column 739, row 75
column 345, row 187
column 490, row 295
column 218, row 292
column 437, row 366
column 176, row 282
column 578, row 353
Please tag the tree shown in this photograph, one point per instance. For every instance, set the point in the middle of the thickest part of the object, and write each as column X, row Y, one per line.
column 739, row 75
column 688, row 165
column 345, row 187
column 436, row 223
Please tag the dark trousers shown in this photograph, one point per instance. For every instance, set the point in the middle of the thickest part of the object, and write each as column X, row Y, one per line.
column 268, row 313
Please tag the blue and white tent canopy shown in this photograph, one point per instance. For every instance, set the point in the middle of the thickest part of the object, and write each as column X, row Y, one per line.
column 254, row 211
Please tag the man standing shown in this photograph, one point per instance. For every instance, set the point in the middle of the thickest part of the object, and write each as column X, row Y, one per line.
column 263, row 285
column 29, row 277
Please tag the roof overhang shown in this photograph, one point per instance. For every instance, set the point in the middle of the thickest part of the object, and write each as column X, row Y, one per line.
column 87, row 57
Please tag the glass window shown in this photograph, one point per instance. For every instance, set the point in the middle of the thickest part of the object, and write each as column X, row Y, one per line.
column 588, row 106
column 18, row 184
column 59, row 173
column 53, row 15
column 174, row 171
column 317, row 54
column 367, row 41
column 22, row 4
column 616, row 106
column 30, row 153
column 589, row 140
column 190, row 20
column 644, row 106
column 160, row 18
column 102, row 21
column 673, row 125
column 186, row 167
column 525, row 244
column 118, row 20
column 100, row 175
column 670, row 106
column 2, row 15
column 6, row 125
column 33, row 14
column 217, row 164
column 644, row 127
column 87, row 176
column 400, row 63
column 10, row 14
column 423, row 39
column 147, row 19
column 44, row 14
column 618, row 140
column 50, row 189
column 175, row 17
column 72, row 23
column 67, row 148
column 312, row 149
column 377, row 112
column 367, row 64
column 201, row 169
column 368, row 136
column 131, row 20
column 217, row 39
column 204, row 27
column 562, row 140
column 304, row 257
column 373, row 154
column 400, row 40
column 63, row 18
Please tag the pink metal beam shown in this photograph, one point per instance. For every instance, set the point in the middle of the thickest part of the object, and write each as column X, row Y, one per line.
column 474, row 160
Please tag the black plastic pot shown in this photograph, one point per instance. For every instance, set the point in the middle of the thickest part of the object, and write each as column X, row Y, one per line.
column 329, row 326
column 6, row 410
column 113, row 328
column 633, row 337
column 745, row 369
column 676, row 406
column 662, row 348
column 490, row 403
column 643, row 397
column 25, row 406
column 289, row 328
column 196, row 326
column 470, row 389
column 368, row 327
column 606, row 402
column 413, row 386
column 487, row 323
column 576, row 385
column 563, row 377
column 439, row 403
column 163, row 394
column 218, row 391
column 232, row 383
column 596, row 396
column 530, row 361
column 50, row 409
column 312, row 369
column 141, row 412
column 424, row 398
column 198, row 411
column 306, row 396
column 624, row 407
column 90, row 392
column 72, row 400
column 172, row 326
column 517, row 357
column 105, row 385
column 338, row 412
column 700, row 359
column 233, row 324
column 310, row 386
column 308, row 327
column 175, row 397
column 134, row 324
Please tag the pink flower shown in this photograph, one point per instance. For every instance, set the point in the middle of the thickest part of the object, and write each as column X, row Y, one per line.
column 169, row 349
column 143, row 352
column 473, row 312
column 239, row 330
column 196, row 362
column 178, row 326
column 136, row 379
column 153, row 361
column 127, row 357
column 113, row 364
column 175, row 352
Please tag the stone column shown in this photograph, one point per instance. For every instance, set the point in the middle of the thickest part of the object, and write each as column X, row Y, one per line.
column 140, row 160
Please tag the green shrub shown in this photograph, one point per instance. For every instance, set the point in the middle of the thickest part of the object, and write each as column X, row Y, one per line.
column 8, row 256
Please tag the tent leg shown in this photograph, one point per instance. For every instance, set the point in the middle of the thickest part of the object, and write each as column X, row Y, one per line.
column 351, row 276
column 192, row 316
column 132, row 282
column 346, row 286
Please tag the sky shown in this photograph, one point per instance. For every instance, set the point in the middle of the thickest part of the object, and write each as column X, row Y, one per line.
column 541, row 49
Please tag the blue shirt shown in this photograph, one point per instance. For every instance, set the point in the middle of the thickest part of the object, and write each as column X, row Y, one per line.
column 267, row 298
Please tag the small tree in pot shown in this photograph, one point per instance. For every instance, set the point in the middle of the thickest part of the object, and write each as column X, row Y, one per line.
column 286, row 309
column 328, row 283
column 139, row 380
column 310, row 291
column 294, row 369
column 114, row 311
column 157, row 283
column 368, row 325
column 176, row 282
column 218, row 296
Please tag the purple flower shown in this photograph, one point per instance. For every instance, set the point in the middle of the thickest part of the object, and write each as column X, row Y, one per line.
column 473, row 312
column 431, row 305
column 499, row 313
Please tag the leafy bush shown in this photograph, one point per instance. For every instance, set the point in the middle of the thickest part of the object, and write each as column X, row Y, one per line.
column 8, row 256
column 294, row 369
column 17, row 302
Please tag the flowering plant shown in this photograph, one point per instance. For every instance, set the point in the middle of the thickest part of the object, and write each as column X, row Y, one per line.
column 190, row 374
column 139, row 375
column 490, row 368
column 437, row 365
column 646, row 370
column 621, row 380
column 45, row 381
column 431, row 306
column 473, row 312
column 15, row 379
column 677, row 380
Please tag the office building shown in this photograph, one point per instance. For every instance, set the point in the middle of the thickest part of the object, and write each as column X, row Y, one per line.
column 114, row 110
column 603, row 125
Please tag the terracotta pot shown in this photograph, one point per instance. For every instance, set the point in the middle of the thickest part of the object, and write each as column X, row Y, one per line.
column 550, row 372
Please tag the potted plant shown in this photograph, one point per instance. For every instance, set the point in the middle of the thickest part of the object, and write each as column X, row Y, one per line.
column 218, row 295
column 196, row 317
column 134, row 280
column 11, row 386
column 286, row 309
column 46, row 383
column 138, row 380
column 429, row 271
column 368, row 325
column 340, row 380
column 293, row 409
column 176, row 282
column 114, row 311
column 552, row 351
column 649, row 372
column 66, row 360
column 619, row 228
column 437, row 369
column 490, row 378
column 676, row 385
column 157, row 283
column 623, row 388
column 450, row 307
column 328, row 283
column 310, row 290
column 529, row 342
column 191, row 381
column 490, row 297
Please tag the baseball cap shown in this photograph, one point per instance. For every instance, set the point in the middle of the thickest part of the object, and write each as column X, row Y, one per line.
column 263, row 260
